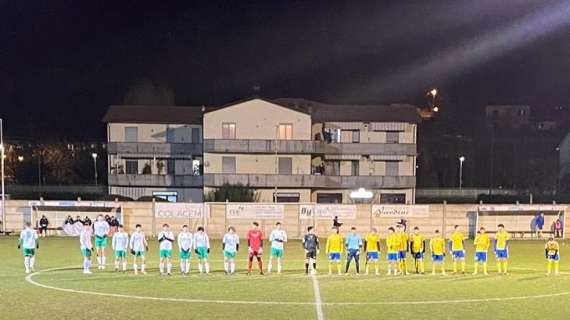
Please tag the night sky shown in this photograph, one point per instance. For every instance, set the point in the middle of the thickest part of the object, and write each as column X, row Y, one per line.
column 62, row 63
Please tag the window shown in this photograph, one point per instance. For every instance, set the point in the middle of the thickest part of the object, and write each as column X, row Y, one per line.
column 196, row 168
column 228, row 130
column 228, row 164
column 392, row 168
column 195, row 135
column 285, row 131
column 329, row 197
column 132, row 166
column 356, row 136
column 354, row 168
column 287, row 196
column 131, row 134
column 392, row 137
column 170, row 135
column 286, row 166
column 170, row 166
column 396, row 198
column 170, row 196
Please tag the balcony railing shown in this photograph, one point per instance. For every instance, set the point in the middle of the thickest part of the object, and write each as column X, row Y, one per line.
column 306, row 147
column 310, row 181
column 151, row 148
column 155, row 180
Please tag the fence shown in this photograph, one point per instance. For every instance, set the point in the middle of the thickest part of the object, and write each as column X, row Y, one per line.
column 295, row 217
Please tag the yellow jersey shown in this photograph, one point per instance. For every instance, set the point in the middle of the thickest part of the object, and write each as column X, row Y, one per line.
column 403, row 241
column 372, row 240
column 501, row 238
column 552, row 248
column 417, row 243
column 437, row 245
column 392, row 243
column 456, row 240
column 482, row 242
column 334, row 243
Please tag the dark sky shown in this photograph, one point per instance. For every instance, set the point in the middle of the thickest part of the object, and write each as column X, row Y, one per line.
column 62, row 63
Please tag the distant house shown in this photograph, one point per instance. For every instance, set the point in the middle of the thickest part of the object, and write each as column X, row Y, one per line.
column 508, row 116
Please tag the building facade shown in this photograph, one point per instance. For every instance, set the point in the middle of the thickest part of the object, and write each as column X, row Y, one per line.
column 287, row 150
column 155, row 151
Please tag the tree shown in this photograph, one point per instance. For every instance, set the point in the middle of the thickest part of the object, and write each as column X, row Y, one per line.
column 233, row 192
column 58, row 162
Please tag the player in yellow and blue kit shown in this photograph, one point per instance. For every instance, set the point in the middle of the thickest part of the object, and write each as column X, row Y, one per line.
column 392, row 248
column 457, row 248
column 552, row 253
column 372, row 248
column 482, row 244
column 334, row 250
column 404, row 246
column 418, row 248
column 437, row 248
column 502, row 238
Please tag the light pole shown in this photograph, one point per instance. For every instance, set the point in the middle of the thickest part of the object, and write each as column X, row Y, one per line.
column 461, row 160
column 276, row 163
column 2, row 169
column 433, row 94
column 94, row 156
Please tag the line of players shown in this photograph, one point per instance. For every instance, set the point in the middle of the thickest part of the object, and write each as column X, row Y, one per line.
column 398, row 244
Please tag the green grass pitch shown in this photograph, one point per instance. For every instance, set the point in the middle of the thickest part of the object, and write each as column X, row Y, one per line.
column 526, row 293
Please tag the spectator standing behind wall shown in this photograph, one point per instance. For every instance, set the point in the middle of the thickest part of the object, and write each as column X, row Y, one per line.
column 558, row 225
column 539, row 223
column 44, row 223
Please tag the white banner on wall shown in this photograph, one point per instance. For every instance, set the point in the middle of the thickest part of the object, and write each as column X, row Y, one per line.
column 523, row 207
column 400, row 211
column 179, row 210
column 255, row 211
column 327, row 211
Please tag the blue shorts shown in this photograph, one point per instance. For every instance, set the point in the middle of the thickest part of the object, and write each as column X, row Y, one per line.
column 374, row 255
column 480, row 256
column 554, row 257
column 401, row 255
column 352, row 253
column 437, row 257
column 392, row 257
column 502, row 253
column 418, row 255
column 334, row 256
column 459, row 254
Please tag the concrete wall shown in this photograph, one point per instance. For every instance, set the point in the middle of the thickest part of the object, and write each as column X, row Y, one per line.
column 153, row 132
column 441, row 217
column 256, row 163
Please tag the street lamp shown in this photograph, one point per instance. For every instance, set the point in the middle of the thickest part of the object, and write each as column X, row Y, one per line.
column 20, row 158
column 94, row 156
column 2, row 173
column 433, row 93
column 461, row 160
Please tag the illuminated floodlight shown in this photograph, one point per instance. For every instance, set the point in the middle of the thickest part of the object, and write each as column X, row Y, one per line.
column 361, row 193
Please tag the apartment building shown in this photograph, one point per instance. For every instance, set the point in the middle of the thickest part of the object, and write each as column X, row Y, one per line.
column 155, row 151
column 295, row 150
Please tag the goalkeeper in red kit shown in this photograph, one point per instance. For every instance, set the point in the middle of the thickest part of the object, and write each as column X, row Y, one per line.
column 255, row 247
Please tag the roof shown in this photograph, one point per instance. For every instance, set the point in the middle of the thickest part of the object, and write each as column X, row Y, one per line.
column 155, row 114
column 322, row 112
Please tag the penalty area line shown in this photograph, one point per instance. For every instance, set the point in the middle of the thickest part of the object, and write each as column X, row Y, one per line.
column 318, row 300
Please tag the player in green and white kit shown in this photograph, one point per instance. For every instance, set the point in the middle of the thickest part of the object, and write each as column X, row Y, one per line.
column 202, row 249
column 101, row 229
column 139, row 247
column 278, row 238
column 230, row 246
column 86, row 246
column 120, row 244
column 185, row 247
column 165, row 240
column 28, row 242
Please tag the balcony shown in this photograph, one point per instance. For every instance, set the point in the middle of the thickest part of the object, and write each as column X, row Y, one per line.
column 306, row 147
column 310, row 181
column 153, row 149
column 154, row 180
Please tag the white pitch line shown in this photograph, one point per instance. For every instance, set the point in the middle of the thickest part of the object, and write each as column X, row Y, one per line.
column 318, row 300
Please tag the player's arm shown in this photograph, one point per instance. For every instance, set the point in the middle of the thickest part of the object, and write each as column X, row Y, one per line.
column 237, row 244
column 328, row 246
column 365, row 246
column 284, row 236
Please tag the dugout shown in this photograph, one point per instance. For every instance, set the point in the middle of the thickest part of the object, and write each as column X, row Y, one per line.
column 519, row 220
column 57, row 212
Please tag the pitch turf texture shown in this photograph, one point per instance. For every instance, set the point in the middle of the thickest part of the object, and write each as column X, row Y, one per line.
column 65, row 293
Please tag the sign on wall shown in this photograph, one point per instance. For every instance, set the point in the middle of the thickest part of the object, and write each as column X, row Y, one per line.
column 255, row 211
column 179, row 210
column 400, row 211
column 327, row 211
column 523, row 207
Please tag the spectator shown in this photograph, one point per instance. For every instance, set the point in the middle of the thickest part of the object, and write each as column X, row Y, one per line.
column 87, row 221
column 69, row 220
column 558, row 225
column 44, row 222
column 539, row 222
column 78, row 219
column 336, row 224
